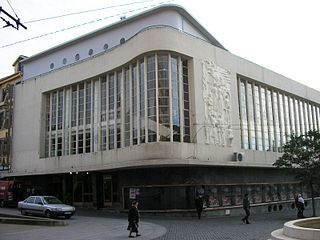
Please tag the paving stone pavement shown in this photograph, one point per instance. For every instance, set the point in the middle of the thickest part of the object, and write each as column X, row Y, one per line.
column 99, row 225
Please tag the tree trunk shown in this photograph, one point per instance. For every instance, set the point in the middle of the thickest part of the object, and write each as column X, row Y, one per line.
column 312, row 198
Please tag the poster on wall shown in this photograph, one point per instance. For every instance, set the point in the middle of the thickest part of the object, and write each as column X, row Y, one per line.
column 132, row 193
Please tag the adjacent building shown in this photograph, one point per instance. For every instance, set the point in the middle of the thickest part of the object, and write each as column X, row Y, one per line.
column 154, row 108
column 6, row 113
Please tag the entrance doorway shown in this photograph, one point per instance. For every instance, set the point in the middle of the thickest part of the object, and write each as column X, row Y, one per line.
column 82, row 190
column 107, row 190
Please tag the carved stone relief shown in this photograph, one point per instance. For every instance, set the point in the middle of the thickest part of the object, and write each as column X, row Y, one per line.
column 216, row 83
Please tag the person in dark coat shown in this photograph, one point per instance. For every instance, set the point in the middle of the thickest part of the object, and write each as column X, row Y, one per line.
column 199, row 205
column 246, row 207
column 300, row 205
column 133, row 219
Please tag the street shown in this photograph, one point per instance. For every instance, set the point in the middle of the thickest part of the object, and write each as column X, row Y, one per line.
column 98, row 225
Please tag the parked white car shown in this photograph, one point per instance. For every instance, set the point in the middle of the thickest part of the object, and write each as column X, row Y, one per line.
column 48, row 206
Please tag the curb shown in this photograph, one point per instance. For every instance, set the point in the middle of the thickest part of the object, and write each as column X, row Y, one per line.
column 31, row 221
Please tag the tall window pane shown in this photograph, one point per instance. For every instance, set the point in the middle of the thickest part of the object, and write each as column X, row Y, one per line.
column 60, row 109
column 270, row 121
column 66, row 123
column 163, row 97
column 80, row 141
column 276, row 120
column 119, row 110
column 54, row 112
column 74, row 106
column 258, row 117
column 127, row 107
column 47, row 125
column 282, row 119
column 296, row 105
column 287, row 117
column 103, row 114
column 103, row 100
column 306, row 117
column 302, row 119
column 310, row 116
column 175, row 99
column 244, row 120
column 151, row 96
column 142, row 103
column 252, row 133
column 265, row 118
column 134, row 105
column 88, row 102
column 186, row 102
column 314, row 112
column 81, row 104
column 292, row 118
column 111, row 111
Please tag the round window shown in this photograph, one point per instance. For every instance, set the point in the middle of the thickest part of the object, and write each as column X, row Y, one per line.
column 77, row 57
column 51, row 65
column 90, row 51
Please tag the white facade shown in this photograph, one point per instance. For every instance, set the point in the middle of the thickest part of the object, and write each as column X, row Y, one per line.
column 215, row 110
column 206, row 63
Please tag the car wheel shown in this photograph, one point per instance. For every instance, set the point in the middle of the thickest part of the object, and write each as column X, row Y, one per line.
column 48, row 214
column 67, row 216
column 23, row 212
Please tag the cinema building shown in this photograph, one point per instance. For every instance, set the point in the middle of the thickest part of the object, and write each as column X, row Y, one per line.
column 154, row 108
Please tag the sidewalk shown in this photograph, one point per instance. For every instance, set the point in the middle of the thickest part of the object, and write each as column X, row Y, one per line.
column 85, row 225
column 103, row 225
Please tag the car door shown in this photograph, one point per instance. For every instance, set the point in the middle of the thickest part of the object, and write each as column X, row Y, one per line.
column 29, row 204
column 38, row 206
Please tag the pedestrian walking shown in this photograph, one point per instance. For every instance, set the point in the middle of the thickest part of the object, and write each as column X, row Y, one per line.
column 199, row 205
column 300, row 205
column 246, row 207
column 133, row 219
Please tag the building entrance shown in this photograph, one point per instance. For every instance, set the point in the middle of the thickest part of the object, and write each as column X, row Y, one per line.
column 107, row 190
column 82, row 190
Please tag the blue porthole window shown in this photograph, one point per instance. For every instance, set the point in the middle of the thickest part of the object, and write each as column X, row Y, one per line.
column 90, row 51
column 64, row 61
column 122, row 40
column 51, row 65
column 105, row 46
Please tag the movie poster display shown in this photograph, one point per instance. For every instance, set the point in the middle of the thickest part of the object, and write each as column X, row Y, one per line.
column 226, row 195
column 267, row 193
column 212, row 199
column 238, row 195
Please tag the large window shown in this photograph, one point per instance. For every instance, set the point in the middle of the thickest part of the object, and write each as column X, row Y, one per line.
column 268, row 116
column 145, row 101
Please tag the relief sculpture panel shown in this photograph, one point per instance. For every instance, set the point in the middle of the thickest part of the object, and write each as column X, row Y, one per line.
column 216, row 83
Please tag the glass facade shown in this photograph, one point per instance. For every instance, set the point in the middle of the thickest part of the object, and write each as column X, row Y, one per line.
column 269, row 116
column 140, row 102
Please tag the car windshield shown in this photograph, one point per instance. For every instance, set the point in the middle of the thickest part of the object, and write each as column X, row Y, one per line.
column 51, row 200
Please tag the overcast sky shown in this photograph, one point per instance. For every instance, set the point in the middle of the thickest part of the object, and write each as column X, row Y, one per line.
column 281, row 35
